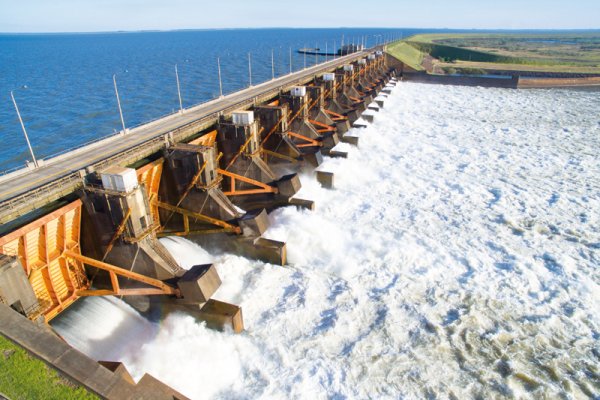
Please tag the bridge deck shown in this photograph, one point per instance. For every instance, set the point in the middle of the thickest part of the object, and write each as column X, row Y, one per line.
column 26, row 190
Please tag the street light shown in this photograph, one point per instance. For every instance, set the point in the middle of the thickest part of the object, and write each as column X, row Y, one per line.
column 178, row 90
column 220, row 82
column 305, row 49
column 12, row 96
column 377, row 40
column 250, row 67
column 272, row 64
column 119, row 103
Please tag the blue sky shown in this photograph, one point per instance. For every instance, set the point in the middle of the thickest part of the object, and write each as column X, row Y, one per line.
column 111, row 15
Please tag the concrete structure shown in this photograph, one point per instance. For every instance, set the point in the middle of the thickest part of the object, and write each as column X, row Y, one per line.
column 192, row 185
column 325, row 178
column 15, row 289
column 124, row 230
column 510, row 80
column 211, row 173
column 278, row 146
column 199, row 283
column 508, row 83
column 27, row 190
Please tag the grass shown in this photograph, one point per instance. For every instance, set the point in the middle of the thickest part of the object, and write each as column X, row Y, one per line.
column 451, row 53
column 25, row 377
column 408, row 54
column 577, row 52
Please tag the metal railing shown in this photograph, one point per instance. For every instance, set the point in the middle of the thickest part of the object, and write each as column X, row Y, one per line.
column 11, row 170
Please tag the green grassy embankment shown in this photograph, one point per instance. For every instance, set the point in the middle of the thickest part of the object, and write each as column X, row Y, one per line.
column 24, row 377
column 408, row 54
column 451, row 53
column 560, row 52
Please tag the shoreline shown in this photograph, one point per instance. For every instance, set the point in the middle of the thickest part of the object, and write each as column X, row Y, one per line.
column 514, row 81
column 532, row 83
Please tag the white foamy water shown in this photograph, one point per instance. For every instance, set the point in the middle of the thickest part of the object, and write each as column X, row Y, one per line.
column 456, row 258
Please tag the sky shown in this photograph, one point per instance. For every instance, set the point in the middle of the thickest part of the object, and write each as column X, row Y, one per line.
column 113, row 15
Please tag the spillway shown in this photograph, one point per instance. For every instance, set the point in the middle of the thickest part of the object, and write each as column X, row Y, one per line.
column 457, row 257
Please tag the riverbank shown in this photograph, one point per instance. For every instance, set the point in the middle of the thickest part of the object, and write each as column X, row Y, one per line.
column 508, row 82
column 539, row 61
column 559, row 82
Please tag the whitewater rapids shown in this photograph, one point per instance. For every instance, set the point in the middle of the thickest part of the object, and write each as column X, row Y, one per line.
column 458, row 257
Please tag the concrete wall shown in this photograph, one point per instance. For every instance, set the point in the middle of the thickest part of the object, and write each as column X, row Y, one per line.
column 393, row 62
column 15, row 289
column 107, row 380
column 462, row 80
column 540, row 74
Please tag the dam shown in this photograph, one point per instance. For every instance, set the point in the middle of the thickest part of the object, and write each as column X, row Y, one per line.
column 87, row 223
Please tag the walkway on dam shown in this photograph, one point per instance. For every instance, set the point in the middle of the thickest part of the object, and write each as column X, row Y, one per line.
column 16, row 184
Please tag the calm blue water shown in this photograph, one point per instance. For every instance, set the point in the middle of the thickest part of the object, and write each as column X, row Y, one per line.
column 69, row 98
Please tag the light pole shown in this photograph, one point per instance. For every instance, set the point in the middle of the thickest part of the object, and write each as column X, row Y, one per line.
column 250, row 68
column 334, row 51
column 178, row 90
column 272, row 64
column 325, row 51
column 290, row 60
column 119, row 103
column 305, row 49
column 12, row 96
column 220, row 82
column 377, row 40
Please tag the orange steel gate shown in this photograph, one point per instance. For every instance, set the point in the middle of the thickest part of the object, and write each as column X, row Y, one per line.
column 40, row 246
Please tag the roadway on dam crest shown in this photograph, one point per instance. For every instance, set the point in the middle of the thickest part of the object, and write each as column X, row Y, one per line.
column 20, row 183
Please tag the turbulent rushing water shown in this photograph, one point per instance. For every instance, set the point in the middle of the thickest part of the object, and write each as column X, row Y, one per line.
column 458, row 257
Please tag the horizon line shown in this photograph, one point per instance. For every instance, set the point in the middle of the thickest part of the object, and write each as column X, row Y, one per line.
column 281, row 28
